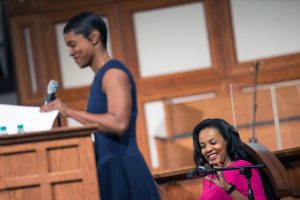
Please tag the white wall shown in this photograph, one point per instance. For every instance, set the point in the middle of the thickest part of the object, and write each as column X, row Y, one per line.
column 265, row 28
column 172, row 39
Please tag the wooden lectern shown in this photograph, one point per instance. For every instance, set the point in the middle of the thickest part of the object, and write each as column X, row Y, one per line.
column 57, row 164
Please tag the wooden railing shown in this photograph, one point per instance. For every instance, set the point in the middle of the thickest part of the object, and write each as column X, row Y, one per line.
column 282, row 174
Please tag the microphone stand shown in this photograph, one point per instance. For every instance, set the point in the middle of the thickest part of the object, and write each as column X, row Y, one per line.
column 248, row 174
column 245, row 170
column 256, row 68
column 58, row 118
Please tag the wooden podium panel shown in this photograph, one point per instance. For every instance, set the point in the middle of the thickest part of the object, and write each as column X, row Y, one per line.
column 54, row 165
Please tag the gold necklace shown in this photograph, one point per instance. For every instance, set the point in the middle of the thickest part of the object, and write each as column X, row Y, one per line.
column 105, row 61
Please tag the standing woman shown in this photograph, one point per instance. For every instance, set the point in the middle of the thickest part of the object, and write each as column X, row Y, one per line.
column 112, row 106
column 217, row 144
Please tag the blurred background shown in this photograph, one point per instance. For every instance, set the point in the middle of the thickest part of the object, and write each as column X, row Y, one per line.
column 191, row 60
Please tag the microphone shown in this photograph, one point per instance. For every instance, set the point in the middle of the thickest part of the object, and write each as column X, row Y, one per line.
column 51, row 90
column 200, row 171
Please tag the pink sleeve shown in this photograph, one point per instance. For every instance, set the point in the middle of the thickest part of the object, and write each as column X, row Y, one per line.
column 211, row 191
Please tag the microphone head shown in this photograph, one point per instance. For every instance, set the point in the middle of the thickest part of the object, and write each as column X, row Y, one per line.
column 200, row 171
column 51, row 90
column 52, row 86
column 201, row 168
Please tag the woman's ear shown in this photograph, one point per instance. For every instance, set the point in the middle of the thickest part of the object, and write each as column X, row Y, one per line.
column 95, row 37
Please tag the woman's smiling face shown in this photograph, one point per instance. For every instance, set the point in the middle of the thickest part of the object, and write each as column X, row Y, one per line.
column 213, row 147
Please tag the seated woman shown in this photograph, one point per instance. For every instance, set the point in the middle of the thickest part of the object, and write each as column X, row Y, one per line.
column 218, row 145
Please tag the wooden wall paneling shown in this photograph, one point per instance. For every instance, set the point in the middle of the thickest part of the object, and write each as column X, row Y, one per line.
column 173, row 155
column 224, row 52
column 214, row 106
column 141, row 123
column 266, row 76
column 161, row 154
column 142, row 135
column 184, row 118
column 179, row 85
column 49, row 22
column 225, row 68
column 73, row 95
column 157, row 87
column 280, row 64
column 216, row 87
column 166, row 85
column 283, row 65
column 55, row 5
column 127, row 9
column 168, row 118
column 265, row 135
column 181, row 119
column 14, row 7
column 31, row 81
column 157, row 84
column 142, row 126
column 220, row 34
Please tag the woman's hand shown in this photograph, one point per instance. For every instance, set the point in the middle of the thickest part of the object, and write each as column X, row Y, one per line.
column 220, row 180
column 56, row 104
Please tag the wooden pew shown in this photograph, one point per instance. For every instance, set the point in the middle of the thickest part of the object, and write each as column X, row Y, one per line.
column 174, row 184
column 290, row 158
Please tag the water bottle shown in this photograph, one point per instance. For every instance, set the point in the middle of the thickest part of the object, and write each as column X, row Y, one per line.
column 3, row 130
column 20, row 129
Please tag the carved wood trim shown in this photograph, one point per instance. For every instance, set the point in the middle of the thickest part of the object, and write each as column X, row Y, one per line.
column 24, row 73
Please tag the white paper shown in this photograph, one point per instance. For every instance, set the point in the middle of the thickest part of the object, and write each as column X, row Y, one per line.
column 31, row 118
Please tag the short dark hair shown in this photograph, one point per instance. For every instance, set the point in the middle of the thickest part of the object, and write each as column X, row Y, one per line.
column 84, row 23
column 235, row 148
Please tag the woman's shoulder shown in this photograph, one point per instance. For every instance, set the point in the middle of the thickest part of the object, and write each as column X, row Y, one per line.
column 111, row 64
column 240, row 163
column 115, row 62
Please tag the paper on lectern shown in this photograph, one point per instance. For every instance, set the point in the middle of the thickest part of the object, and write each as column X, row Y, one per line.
column 31, row 118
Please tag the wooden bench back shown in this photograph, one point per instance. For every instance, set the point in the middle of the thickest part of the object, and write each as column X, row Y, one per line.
column 274, row 176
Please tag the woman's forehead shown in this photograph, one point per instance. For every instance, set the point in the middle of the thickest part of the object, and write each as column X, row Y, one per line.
column 209, row 133
column 72, row 36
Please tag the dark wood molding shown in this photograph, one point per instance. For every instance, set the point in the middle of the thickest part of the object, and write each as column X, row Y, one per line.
column 54, row 134
column 18, row 25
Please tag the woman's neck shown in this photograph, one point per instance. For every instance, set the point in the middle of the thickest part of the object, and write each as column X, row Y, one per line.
column 100, row 60
column 227, row 162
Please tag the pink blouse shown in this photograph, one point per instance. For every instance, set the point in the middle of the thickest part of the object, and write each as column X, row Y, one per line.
column 212, row 192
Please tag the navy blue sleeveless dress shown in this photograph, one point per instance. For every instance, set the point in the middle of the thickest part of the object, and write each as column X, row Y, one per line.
column 122, row 171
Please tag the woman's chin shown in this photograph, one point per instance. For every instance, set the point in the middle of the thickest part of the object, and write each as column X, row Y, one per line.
column 214, row 162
